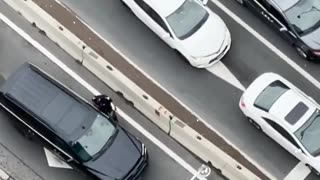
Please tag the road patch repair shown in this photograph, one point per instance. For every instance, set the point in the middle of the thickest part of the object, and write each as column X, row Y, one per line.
column 93, row 52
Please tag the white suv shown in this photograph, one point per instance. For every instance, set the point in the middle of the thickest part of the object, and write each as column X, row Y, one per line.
column 290, row 117
column 187, row 26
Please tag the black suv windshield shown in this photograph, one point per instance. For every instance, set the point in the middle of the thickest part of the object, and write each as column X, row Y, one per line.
column 309, row 134
column 304, row 15
column 95, row 138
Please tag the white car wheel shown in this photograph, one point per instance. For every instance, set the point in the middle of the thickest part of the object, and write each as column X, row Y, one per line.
column 254, row 124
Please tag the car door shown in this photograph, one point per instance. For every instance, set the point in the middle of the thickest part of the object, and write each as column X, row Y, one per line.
column 276, row 19
column 279, row 22
column 154, row 21
column 258, row 7
column 286, row 140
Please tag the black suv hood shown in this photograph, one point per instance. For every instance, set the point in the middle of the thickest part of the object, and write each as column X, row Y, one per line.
column 119, row 159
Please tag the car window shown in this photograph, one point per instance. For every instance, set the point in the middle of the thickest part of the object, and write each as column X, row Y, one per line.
column 187, row 19
column 152, row 14
column 282, row 131
column 264, row 3
column 309, row 133
column 144, row 6
column 270, row 94
column 278, row 15
column 158, row 20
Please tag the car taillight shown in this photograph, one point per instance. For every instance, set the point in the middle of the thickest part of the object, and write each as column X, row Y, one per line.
column 317, row 53
column 242, row 104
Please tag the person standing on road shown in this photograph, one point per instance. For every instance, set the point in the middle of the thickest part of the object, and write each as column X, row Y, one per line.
column 105, row 105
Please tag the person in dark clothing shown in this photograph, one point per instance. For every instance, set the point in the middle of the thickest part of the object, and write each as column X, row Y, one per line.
column 105, row 105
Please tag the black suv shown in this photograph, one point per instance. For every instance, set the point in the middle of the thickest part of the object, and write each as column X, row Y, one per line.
column 71, row 127
column 298, row 21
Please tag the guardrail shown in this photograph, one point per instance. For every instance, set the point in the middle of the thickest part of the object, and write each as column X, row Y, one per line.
column 120, row 83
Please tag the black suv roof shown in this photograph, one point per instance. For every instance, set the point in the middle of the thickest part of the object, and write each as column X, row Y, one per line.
column 43, row 97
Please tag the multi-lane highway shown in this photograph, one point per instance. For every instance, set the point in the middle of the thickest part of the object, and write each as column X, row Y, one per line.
column 24, row 159
column 206, row 94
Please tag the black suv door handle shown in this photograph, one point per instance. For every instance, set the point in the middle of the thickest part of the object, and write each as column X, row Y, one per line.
column 267, row 16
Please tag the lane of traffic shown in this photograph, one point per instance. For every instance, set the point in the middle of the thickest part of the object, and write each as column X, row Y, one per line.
column 203, row 92
column 161, row 166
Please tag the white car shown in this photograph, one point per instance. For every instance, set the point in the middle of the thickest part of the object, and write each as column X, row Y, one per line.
column 187, row 26
column 290, row 117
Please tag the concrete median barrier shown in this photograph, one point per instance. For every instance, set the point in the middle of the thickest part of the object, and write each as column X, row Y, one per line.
column 93, row 61
column 114, row 78
column 208, row 152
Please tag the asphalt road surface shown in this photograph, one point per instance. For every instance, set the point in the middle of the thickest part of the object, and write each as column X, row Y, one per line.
column 25, row 159
column 206, row 94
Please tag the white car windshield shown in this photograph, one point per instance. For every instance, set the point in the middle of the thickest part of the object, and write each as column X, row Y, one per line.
column 304, row 16
column 95, row 138
column 187, row 19
column 309, row 134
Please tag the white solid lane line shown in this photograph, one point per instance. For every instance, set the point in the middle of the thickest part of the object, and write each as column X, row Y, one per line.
column 94, row 91
column 299, row 172
column 220, row 70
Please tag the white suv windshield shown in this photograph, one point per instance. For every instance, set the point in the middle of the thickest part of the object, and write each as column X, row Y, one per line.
column 309, row 134
column 304, row 15
column 187, row 19
column 94, row 139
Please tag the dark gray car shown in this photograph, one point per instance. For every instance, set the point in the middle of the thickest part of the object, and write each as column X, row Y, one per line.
column 298, row 21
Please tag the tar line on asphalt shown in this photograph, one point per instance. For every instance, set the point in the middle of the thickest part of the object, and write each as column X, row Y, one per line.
column 94, row 91
column 298, row 169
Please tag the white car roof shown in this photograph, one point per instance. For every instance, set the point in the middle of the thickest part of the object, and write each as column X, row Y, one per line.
column 292, row 109
column 284, row 4
column 165, row 7
column 284, row 104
